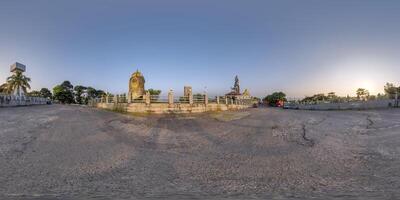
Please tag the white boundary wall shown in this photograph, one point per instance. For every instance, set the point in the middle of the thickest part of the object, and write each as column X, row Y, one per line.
column 12, row 100
column 357, row 105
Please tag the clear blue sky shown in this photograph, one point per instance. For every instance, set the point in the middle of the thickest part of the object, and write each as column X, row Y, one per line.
column 299, row 47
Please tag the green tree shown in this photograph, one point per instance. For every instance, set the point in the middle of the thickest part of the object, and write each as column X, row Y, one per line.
column 362, row 94
column 45, row 93
column 332, row 96
column 390, row 90
column 67, row 85
column 34, row 93
column 274, row 98
column 63, row 93
column 319, row 97
column 4, row 88
column 91, row 92
column 79, row 91
column 18, row 82
column 100, row 93
column 153, row 91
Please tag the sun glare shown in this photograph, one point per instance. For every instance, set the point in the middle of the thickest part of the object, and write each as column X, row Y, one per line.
column 367, row 84
column 359, row 73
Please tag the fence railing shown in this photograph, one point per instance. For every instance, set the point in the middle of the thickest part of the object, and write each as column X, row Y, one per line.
column 158, row 99
column 199, row 99
column 182, row 99
column 194, row 99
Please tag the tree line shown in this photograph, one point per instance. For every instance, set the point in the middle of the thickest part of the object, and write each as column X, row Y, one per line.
column 362, row 94
column 66, row 93
column 69, row 94
column 63, row 93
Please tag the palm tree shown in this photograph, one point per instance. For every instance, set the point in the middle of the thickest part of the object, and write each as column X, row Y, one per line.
column 4, row 88
column 18, row 81
column 362, row 93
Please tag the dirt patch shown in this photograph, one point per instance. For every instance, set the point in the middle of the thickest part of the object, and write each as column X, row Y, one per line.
column 229, row 116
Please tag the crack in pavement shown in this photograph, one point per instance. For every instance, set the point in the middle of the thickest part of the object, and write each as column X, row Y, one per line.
column 370, row 122
column 309, row 142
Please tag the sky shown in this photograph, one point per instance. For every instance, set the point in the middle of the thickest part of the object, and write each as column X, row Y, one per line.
column 298, row 47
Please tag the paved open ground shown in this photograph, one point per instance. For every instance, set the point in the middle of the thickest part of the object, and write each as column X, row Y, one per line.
column 73, row 152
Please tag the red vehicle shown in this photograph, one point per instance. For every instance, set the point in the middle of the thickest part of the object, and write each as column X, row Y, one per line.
column 279, row 104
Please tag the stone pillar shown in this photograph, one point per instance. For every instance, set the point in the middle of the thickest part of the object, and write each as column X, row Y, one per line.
column 205, row 99
column 190, row 98
column 217, row 99
column 147, row 98
column 187, row 90
column 170, row 97
column 116, row 98
column 129, row 97
column 107, row 96
column 231, row 100
column 122, row 98
column 226, row 100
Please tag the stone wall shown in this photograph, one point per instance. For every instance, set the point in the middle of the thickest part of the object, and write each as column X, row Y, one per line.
column 358, row 105
column 11, row 100
column 160, row 108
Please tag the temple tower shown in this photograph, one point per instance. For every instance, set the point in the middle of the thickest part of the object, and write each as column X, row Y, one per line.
column 236, row 86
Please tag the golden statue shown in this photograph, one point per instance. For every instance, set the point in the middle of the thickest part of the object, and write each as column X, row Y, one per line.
column 136, row 86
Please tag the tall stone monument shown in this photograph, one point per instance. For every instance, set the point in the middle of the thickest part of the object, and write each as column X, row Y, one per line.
column 136, row 86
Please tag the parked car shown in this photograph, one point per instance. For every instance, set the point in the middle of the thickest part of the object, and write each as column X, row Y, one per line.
column 279, row 104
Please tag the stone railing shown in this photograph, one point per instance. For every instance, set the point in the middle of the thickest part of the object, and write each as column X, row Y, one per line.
column 169, row 104
column 12, row 100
